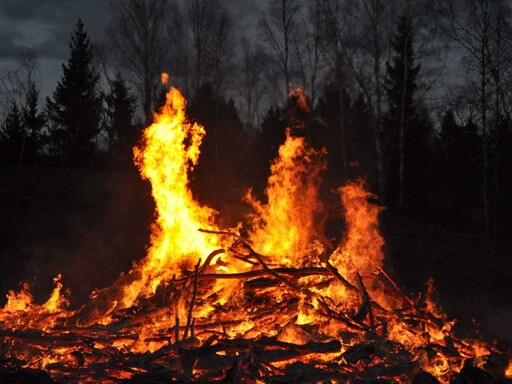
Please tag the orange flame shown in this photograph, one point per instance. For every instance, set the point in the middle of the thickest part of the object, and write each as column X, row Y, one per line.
column 508, row 371
column 361, row 249
column 285, row 226
column 164, row 78
column 20, row 311
column 301, row 99
column 169, row 152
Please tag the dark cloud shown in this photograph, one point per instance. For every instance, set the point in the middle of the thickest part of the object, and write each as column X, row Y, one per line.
column 46, row 26
column 16, row 10
column 8, row 46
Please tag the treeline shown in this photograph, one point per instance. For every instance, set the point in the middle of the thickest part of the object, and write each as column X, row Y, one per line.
column 412, row 95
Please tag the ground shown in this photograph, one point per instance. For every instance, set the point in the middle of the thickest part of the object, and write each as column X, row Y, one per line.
column 90, row 226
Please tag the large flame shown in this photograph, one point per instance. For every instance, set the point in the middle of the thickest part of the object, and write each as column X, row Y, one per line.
column 169, row 151
column 361, row 249
column 285, row 226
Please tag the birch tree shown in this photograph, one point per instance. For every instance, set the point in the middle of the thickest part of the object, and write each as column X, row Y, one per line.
column 278, row 28
column 210, row 29
column 366, row 63
column 481, row 28
column 338, row 14
column 252, row 87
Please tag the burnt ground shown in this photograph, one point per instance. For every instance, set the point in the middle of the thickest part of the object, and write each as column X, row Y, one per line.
column 90, row 226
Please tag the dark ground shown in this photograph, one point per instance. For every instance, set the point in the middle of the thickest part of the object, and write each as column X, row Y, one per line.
column 90, row 226
column 87, row 225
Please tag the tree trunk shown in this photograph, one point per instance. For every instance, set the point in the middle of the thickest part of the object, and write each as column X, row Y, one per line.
column 401, row 126
column 485, row 148
column 286, row 47
column 343, row 138
column 22, row 150
column 498, row 122
column 378, row 102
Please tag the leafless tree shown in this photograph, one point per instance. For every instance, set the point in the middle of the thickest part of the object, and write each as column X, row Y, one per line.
column 209, row 24
column 366, row 61
column 17, row 81
column 278, row 29
column 481, row 28
column 338, row 15
column 252, row 86
column 19, row 86
column 139, row 35
column 310, row 46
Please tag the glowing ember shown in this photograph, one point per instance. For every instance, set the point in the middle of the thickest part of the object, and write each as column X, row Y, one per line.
column 20, row 311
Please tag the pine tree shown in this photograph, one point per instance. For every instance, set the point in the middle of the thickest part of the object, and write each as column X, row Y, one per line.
column 12, row 137
column 75, row 110
column 269, row 138
column 33, row 123
column 328, row 133
column 225, row 139
column 448, row 135
column 122, row 132
column 407, row 134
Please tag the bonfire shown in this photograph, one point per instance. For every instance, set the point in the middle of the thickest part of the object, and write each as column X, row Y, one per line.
column 279, row 304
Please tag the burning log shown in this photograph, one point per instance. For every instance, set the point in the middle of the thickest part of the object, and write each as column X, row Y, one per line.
column 103, row 350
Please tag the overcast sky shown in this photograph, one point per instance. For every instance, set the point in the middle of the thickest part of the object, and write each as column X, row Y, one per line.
column 45, row 26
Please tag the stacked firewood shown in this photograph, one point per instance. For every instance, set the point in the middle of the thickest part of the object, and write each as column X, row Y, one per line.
column 350, row 346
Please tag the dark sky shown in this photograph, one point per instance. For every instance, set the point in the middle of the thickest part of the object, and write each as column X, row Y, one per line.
column 45, row 26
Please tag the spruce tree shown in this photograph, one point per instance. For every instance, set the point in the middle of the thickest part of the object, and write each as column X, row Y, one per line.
column 122, row 132
column 448, row 135
column 11, row 137
column 225, row 141
column 75, row 110
column 407, row 132
column 402, row 74
column 33, row 123
column 270, row 137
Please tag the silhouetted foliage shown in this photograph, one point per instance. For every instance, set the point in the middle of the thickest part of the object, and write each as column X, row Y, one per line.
column 121, row 130
column 407, row 133
column 12, row 137
column 20, row 135
column 74, row 112
column 369, row 116
column 503, row 203
column 271, row 136
column 359, row 136
column 225, row 146
column 296, row 114
column 33, row 122
column 457, row 173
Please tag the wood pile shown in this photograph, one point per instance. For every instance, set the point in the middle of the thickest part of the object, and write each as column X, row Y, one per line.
column 257, row 339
